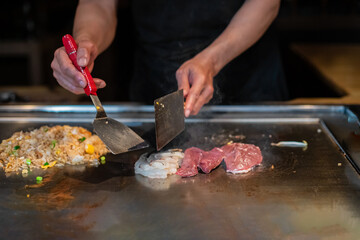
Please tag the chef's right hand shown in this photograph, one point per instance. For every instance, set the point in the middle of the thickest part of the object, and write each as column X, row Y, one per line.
column 65, row 72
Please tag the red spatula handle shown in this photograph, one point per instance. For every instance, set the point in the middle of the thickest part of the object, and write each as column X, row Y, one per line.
column 71, row 48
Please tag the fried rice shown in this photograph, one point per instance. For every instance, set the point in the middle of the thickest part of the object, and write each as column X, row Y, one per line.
column 50, row 146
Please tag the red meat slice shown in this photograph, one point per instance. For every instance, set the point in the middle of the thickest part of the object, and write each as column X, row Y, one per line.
column 211, row 159
column 190, row 163
column 241, row 158
column 238, row 157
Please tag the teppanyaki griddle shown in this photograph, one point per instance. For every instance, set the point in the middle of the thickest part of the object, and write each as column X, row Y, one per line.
column 294, row 193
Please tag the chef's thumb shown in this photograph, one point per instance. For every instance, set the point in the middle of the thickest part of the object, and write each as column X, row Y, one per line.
column 83, row 56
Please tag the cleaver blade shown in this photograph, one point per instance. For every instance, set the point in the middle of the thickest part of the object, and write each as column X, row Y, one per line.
column 169, row 117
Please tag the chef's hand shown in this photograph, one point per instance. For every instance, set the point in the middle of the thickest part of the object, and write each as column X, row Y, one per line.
column 65, row 72
column 195, row 77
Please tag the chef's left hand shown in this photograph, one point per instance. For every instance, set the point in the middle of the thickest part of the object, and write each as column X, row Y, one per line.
column 195, row 77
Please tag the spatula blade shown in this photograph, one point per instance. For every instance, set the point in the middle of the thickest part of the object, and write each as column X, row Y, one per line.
column 169, row 117
column 116, row 136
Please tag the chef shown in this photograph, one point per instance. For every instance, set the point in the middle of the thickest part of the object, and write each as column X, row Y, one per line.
column 218, row 50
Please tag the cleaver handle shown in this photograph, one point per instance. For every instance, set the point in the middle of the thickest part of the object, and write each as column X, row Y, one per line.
column 71, row 48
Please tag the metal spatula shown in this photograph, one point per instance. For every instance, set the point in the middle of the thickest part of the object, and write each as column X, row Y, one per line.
column 117, row 137
column 169, row 117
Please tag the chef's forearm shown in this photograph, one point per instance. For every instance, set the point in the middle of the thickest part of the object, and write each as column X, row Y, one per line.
column 247, row 26
column 95, row 20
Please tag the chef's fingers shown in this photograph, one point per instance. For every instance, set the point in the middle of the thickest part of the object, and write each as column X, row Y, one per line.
column 182, row 80
column 205, row 96
column 67, row 68
column 99, row 83
column 194, row 93
column 71, row 88
column 65, row 81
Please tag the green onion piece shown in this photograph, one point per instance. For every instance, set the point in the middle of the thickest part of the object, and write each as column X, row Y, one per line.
column 39, row 179
column 102, row 160
column 82, row 139
column 46, row 163
column 53, row 143
column 46, row 129
column 16, row 147
column 28, row 161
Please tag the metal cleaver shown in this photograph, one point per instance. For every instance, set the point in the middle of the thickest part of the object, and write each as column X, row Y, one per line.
column 169, row 117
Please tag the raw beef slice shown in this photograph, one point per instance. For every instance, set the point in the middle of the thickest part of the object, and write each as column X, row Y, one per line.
column 240, row 157
column 190, row 162
column 211, row 159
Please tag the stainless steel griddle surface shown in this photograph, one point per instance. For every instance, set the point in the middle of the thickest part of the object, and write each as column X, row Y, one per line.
column 296, row 193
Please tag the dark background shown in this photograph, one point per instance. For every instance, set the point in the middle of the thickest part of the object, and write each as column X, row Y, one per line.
column 32, row 30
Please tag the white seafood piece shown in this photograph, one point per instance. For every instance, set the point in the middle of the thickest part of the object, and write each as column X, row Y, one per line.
column 159, row 165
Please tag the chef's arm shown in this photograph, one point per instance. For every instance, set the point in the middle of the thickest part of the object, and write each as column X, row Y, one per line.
column 95, row 21
column 94, row 30
column 246, row 27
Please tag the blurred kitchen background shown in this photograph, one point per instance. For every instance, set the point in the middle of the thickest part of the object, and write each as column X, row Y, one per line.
column 319, row 41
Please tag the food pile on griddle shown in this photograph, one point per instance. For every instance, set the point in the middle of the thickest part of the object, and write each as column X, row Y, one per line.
column 50, row 146
column 238, row 158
